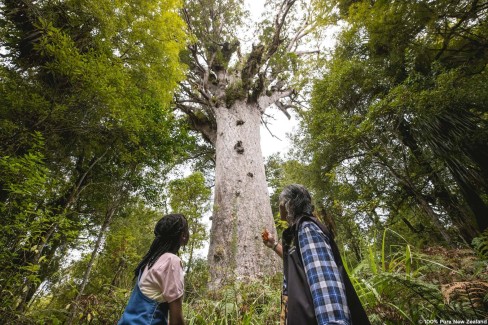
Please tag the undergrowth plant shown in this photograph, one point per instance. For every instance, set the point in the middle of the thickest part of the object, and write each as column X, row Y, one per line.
column 397, row 283
column 400, row 284
column 244, row 303
column 480, row 245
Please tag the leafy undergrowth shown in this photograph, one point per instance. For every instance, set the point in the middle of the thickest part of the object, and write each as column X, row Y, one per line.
column 255, row 302
column 404, row 285
column 399, row 284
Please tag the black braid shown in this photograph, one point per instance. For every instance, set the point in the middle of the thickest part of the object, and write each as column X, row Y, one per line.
column 168, row 233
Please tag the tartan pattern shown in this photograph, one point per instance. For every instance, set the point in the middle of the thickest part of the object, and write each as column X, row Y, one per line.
column 324, row 278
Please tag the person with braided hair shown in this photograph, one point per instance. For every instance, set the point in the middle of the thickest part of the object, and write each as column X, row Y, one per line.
column 159, row 287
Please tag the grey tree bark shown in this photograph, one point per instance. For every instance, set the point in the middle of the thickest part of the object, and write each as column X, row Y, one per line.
column 225, row 97
column 242, row 205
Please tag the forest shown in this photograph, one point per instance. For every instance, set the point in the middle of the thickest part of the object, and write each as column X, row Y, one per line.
column 115, row 113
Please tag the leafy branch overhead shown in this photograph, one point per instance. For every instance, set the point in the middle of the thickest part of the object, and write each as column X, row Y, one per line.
column 220, row 74
column 393, row 147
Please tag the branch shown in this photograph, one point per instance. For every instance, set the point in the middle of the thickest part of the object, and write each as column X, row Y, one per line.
column 282, row 107
column 252, row 65
column 200, row 122
column 302, row 53
column 79, row 185
column 303, row 31
column 468, row 14
column 278, row 26
column 191, row 94
column 265, row 101
column 266, row 126
column 194, row 53
column 189, row 101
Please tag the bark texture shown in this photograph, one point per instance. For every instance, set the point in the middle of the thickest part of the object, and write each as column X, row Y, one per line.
column 242, row 205
column 224, row 97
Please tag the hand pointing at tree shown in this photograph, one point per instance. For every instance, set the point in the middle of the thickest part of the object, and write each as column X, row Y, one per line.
column 271, row 242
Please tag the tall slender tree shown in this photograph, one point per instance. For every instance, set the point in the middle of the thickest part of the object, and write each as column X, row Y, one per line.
column 191, row 196
column 85, row 88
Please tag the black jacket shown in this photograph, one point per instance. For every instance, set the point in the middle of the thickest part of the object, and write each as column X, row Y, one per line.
column 300, row 304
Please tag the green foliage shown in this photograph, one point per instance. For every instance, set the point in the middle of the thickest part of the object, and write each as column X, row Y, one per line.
column 393, row 150
column 191, row 197
column 112, row 277
column 256, row 302
column 85, row 88
column 397, row 122
column 480, row 245
column 196, row 281
column 23, row 184
column 401, row 284
column 233, row 93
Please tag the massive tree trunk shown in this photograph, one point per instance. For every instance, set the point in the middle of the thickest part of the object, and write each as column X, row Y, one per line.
column 225, row 96
column 242, row 205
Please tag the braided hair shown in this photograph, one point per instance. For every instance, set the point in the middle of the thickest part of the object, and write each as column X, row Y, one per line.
column 168, row 232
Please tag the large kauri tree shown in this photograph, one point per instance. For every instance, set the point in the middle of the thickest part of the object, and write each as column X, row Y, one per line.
column 225, row 97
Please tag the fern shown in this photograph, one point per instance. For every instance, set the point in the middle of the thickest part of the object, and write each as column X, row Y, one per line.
column 399, row 284
column 468, row 296
column 480, row 245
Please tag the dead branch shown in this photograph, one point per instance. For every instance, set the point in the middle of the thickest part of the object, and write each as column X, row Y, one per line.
column 303, row 53
column 266, row 126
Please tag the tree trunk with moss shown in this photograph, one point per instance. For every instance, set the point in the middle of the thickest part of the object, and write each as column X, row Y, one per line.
column 225, row 97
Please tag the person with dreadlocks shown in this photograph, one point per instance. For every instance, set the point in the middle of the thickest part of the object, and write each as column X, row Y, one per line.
column 316, row 287
column 159, row 286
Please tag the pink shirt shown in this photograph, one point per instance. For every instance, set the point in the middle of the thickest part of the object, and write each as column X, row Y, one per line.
column 163, row 282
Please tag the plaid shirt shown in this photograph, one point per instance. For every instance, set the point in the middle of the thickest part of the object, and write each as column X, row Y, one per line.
column 324, row 279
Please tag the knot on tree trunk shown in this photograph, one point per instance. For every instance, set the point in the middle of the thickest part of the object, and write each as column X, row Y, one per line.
column 239, row 148
column 219, row 253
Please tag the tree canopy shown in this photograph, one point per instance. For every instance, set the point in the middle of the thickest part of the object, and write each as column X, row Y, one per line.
column 85, row 89
column 399, row 119
column 101, row 101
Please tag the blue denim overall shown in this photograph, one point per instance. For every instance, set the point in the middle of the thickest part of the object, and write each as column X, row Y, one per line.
column 141, row 310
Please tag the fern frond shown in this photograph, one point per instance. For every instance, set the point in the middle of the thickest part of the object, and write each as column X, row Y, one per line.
column 468, row 295
column 480, row 245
